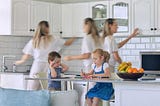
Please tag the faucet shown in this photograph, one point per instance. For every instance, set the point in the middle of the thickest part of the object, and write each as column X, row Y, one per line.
column 4, row 67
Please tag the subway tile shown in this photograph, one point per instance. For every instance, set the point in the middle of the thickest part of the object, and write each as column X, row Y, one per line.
column 130, row 46
column 135, row 52
column 145, row 40
column 148, row 46
column 135, row 40
column 157, row 39
column 140, row 46
column 126, row 52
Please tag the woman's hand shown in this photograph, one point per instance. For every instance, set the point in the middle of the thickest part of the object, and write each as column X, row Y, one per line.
column 19, row 62
column 135, row 33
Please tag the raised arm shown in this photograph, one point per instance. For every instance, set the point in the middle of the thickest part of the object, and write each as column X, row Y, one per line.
column 135, row 33
column 64, row 67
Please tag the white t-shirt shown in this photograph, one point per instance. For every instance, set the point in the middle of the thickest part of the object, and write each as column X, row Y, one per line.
column 41, row 54
column 98, row 69
column 88, row 46
column 110, row 45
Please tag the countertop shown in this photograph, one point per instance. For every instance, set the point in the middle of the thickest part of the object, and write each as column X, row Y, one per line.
column 106, row 80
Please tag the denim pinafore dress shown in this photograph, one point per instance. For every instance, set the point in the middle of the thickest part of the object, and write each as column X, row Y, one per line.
column 102, row 91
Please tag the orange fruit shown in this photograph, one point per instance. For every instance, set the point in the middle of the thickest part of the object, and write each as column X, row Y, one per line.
column 135, row 70
column 129, row 70
column 141, row 70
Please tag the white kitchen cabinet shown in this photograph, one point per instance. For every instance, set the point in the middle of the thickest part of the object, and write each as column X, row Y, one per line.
column 13, row 81
column 67, row 19
column 39, row 11
column 56, row 18
column 80, row 12
column 157, row 17
column 144, row 16
column 121, row 11
column 20, row 17
column 99, row 12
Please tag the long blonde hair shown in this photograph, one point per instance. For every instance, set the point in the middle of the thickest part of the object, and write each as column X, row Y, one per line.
column 107, row 30
column 103, row 53
column 42, row 37
column 93, row 30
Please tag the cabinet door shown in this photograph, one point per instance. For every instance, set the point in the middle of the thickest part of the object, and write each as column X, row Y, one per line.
column 121, row 11
column 67, row 19
column 56, row 18
column 99, row 12
column 39, row 11
column 143, row 16
column 80, row 12
column 157, row 17
column 20, row 17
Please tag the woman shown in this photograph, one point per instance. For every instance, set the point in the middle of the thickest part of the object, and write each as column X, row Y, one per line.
column 39, row 47
column 90, row 42
column 110, row 44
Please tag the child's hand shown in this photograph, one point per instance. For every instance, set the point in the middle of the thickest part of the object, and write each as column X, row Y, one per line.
column 83, row 74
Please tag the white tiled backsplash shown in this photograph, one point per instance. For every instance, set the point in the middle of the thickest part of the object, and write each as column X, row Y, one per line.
column 13, row 45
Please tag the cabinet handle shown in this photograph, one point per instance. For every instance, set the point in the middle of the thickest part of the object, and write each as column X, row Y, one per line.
column 152, row 29
column 61, row 32
column 32, row 30
column 155, row 28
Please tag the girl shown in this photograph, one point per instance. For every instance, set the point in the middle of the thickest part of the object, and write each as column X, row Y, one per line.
column 39, row 46
column 100, row 68
column 110, row 44
column 55, row 69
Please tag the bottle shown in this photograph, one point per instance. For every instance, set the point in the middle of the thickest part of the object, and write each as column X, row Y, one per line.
column 14, row 68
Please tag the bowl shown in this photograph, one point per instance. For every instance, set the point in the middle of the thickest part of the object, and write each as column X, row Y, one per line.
column 130, row 76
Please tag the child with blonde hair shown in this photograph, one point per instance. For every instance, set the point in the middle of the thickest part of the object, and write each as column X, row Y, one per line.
column 100, row 68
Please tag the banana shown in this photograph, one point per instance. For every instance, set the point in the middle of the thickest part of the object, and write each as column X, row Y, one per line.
column 123, row 67
column 128, row 68
column 129, row 64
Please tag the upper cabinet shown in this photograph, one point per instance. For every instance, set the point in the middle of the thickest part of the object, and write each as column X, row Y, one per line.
column 157, row 17
column 39, row 11
column 20, row 17
column 73, row 16
column 146, row 15
column 99, row 12
column 121, row 11
column 143, row 16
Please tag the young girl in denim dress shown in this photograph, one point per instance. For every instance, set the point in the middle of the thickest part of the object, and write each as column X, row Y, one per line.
column 100, row 68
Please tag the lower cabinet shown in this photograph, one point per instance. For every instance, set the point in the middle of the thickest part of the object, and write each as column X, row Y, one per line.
column 13, row 81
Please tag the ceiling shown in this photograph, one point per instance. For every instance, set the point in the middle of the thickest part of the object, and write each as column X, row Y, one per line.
column 69, row 1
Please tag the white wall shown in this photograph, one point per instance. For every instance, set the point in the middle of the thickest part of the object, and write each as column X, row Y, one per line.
column 5, row 17
column 13, row 45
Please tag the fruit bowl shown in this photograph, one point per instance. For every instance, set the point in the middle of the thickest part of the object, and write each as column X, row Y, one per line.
column 130, row 76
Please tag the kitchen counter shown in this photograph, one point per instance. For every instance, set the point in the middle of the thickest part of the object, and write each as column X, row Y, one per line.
column 127, row 93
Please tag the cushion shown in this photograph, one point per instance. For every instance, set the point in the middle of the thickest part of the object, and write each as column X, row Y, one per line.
column 11, row 97
column 64, row 98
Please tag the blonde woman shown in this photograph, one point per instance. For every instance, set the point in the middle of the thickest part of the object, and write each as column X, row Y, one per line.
column 90, row 42
column 39, row 47
column 110, row 44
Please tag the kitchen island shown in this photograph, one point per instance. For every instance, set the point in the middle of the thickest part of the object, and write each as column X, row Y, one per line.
column 127, row 93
